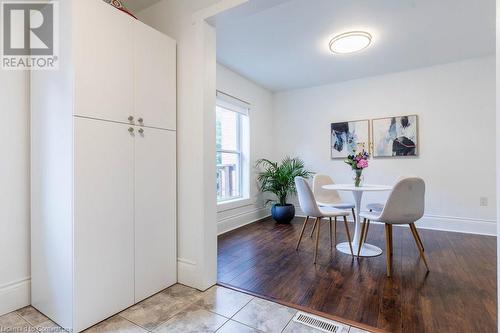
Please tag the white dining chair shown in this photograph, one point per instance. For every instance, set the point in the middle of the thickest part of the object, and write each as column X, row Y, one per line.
column 372, row 207
column 329, row 198
column 405, row 205
column 309, row 206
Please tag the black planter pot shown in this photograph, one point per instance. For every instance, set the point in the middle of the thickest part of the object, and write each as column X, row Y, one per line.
column 283, row 213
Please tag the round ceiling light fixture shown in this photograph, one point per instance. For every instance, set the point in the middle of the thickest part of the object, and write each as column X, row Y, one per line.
column 350, row 42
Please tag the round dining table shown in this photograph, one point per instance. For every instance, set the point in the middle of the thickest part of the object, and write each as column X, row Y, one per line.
column 367, row 250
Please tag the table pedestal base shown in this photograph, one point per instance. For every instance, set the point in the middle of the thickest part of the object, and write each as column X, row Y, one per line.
column 367, row 250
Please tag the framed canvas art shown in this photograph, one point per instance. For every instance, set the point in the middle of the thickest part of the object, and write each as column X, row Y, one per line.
column 395, row 136
column 349, row 136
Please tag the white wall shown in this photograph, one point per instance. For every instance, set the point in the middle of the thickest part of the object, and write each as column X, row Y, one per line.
column 456, row 107
column 14, row 192
column 261, row 145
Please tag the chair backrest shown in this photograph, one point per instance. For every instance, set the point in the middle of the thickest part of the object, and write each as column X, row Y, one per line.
column 306, row 198
column 322, row 195
column 406, row 203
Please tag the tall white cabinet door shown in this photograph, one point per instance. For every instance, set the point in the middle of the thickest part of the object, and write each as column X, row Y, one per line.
column 155, row 77
column 104, row 61
column 103, row 220
column 155, row 212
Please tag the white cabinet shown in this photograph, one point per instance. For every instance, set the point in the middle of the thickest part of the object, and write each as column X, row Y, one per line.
column 104, row 61
column 125, row 71
column 155, row 202
column 103, row 187
column 103, row 219
column 155, row 77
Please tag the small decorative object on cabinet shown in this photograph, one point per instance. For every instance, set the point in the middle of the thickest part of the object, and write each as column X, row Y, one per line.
column 119, row 5
column 103, row 161
column 346, row 136
column 358, row 162
column 395, row 136
column 279, row 179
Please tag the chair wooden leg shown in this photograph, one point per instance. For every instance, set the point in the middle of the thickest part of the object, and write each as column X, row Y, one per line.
column 415, row 236
column 368, row 226
column 418, row 236
column 414, row 232
column 366, row 230
column 335, row 231
column 348, row 234
column 331, row 241
column 314, row 227
column 391, row 243
column 353, row 214
column 388, row 250
column 302, row 232
column 362, row 236
column 318, row 225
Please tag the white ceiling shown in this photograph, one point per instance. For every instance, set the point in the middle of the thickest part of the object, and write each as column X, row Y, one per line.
column 285, row 46
column 138, row 5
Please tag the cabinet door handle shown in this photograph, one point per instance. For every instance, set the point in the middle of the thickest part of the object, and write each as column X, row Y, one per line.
column 141, row 131
column 131, row 118
column 131, row 130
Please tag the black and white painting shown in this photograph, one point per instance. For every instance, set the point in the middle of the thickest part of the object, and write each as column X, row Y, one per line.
column 395, row 136
column 349, row 136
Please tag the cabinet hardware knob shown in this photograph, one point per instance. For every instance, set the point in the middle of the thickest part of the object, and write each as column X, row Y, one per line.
column 140, row 120
column 131, row 130
column 130, row 118
column 141, row 131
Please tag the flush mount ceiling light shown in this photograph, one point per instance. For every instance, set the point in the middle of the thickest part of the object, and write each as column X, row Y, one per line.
column 350, row 42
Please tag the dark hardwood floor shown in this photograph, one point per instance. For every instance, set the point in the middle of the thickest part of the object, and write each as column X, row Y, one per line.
column 458, row 295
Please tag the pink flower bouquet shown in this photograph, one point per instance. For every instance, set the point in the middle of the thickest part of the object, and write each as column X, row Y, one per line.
column 358, row 162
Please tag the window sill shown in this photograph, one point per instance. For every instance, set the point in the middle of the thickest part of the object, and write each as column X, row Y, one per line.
column 233, row 204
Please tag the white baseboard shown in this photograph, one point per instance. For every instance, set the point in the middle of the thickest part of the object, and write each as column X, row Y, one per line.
column 239, row 220
column 452, row 224
column 432, row 222
column 15, row 295
column 187, row 272
column 459, row 224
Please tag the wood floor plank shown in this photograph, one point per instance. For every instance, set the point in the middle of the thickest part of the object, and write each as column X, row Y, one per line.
column 458, row 295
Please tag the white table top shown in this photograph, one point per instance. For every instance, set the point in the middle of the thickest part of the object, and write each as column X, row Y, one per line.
column 351, row 187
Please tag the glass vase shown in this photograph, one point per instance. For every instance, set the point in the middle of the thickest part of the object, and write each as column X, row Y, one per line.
column 358, row 178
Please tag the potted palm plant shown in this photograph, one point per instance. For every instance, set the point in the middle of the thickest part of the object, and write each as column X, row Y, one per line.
column 279, row 179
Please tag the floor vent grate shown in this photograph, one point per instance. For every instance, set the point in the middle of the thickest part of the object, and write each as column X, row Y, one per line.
column 319, row 323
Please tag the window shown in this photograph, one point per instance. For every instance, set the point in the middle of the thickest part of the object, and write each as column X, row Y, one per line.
column 232, row 148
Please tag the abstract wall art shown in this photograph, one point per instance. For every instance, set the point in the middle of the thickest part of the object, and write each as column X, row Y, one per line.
column 395, row 136
column 349, row 136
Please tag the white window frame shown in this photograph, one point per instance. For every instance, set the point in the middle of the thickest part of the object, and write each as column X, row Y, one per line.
column 238, row 152
column 234, row 104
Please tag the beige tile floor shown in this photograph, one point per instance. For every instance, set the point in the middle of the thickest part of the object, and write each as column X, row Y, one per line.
column 180, row 309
